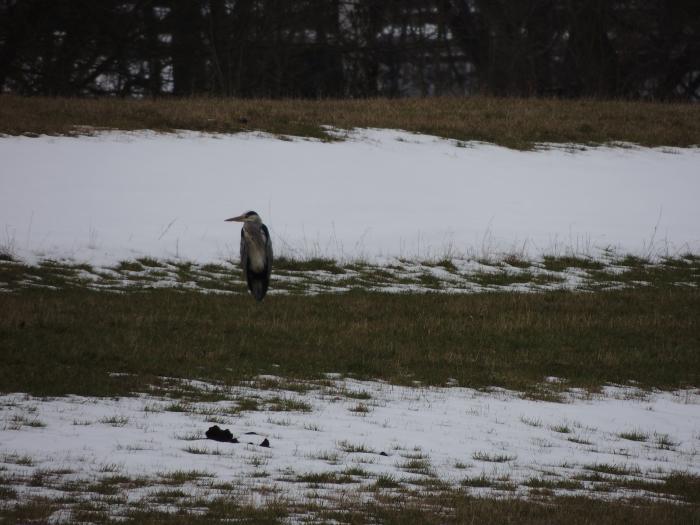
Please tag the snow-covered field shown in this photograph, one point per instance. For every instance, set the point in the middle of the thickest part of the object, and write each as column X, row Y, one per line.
column 380, row 194
column 356, row 432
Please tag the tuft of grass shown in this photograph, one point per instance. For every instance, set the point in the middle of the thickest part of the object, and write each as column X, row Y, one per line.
column 677, row 485
column 561, row 429
column 418, row 465
column 579, row 440
column 322, row 478
column 112, row 485
column 202, row 451
column 492, row 458
column 17, row 421
column 615, row 470
column 190, row 436
column 7, row 494
column 482, row 481
column 540, row 483
column 386, row 481
column 179, row 406
column 329, row 456
column 559, row 264
column 109, row 467
column 532, row 422
column 634, row 435
column 444, row 262
column 360, row 394
column 505, row 278
column 215, row 268
column 25, row 460
column 149, row 262
column 550, row 393
column 516, row 261
column 129, row 266
column 664, row 442
column 287, row 404
column 360, row 408
column 178, row 477
column 352, row 448
column 248, row 404
column 684, row 485
column 115, row 421
column 308, row 265
column 169, row 496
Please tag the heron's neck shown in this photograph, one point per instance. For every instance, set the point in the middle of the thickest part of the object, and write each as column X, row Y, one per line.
column 252, row 227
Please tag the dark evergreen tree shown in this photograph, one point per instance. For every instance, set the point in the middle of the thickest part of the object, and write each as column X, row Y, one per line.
column 357, row 48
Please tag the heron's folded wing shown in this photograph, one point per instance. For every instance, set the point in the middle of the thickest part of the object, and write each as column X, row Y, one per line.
column 268, row 250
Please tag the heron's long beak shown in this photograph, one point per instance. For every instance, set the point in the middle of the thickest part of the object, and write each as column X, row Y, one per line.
column 240, row 218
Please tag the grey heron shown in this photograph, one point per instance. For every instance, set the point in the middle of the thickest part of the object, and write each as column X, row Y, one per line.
column 256, row 253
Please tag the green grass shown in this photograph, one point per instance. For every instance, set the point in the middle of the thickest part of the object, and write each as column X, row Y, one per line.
column 360, row 408
column 115, row 421
column 516, row 261
column 451, row 508
column 149, row 262
column 417, row 465
column 129, row 266
column 677, row 485
column 71, row 341
column 579, row 441
column 634, row 435
column 307, row 265
column 513, row 122
column 664, row 442
column 612, row 469
column 322, row 478
column 202, row 451
column 539, row 483
column 561, row 263
column 504, row 278
column 355, row 448
column 386, row 481
column 561, row 429
column 300, row 276
column 492, row 458
column 363, row 395
column 178, row 477
column 483, row 481
column 286, row 404
column 382, row 499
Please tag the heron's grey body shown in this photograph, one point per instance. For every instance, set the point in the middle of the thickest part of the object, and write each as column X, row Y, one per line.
column 256, row 253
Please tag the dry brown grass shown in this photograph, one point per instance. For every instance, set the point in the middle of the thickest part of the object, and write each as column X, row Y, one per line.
column 445, row 508
column 512, row 122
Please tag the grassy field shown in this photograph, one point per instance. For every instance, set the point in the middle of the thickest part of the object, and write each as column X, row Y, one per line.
column 516, row 123
column 70, row 341
column 75, row 340
column 69, row 328
column 453, row 507
column 318, row 275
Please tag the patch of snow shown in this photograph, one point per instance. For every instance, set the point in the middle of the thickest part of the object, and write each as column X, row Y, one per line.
column 380, row 194
column 457, row 432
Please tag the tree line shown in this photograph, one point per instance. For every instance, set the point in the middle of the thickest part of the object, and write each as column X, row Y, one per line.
column 637, row 49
